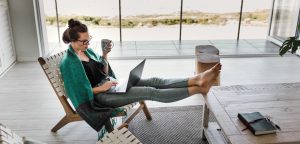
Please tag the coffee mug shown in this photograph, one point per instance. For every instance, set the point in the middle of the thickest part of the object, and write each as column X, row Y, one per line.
column 105, row 43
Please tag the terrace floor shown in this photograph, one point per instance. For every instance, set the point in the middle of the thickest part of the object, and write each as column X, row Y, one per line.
column 184, row 49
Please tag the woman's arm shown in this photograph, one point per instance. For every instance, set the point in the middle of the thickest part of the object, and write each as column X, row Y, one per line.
column 105, row 67
column 104, row 87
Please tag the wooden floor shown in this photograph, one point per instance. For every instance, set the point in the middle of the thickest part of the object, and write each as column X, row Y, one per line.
column 29, row 107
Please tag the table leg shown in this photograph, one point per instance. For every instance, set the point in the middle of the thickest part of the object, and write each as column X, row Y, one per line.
column 205, row 120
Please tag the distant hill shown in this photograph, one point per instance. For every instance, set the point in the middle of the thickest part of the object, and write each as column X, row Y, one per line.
column 189, row 18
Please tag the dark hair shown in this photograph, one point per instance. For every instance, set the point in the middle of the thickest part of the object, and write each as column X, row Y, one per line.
column 71, row 33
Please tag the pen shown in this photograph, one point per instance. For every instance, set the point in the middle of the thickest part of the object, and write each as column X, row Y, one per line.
column 274, row 124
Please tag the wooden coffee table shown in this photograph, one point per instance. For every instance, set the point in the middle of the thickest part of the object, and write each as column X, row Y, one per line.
column 279, row 101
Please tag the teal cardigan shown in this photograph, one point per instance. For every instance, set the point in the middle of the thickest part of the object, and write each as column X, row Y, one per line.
column 79, row 89
column 77, row 85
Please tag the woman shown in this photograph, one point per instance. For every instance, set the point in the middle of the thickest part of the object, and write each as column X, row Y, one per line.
column 84, row 73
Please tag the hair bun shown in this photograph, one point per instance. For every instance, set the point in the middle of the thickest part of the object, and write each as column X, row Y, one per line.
column 72, row 23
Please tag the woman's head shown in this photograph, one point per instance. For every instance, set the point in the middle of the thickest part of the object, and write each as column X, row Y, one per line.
column 76, row 34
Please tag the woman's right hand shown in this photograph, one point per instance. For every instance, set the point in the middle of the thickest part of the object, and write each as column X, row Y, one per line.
column 104, row 87
column 107, row 85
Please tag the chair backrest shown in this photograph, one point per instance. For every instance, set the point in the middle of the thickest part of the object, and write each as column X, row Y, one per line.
column 51, row 68
column 7, row 136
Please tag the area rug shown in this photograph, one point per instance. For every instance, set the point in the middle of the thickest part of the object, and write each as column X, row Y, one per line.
column 170, row 125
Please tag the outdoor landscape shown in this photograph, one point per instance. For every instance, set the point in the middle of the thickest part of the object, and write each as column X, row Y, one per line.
column 256, row 18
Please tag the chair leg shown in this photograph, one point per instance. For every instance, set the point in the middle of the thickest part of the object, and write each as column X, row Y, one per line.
column 205, row 116
column 146, row 110
column 65, row 120
column 205, row 120
column 60, row 124
column 123, row 125
column 134, row 114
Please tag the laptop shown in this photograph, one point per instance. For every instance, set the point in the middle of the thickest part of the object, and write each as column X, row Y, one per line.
column 134, row 77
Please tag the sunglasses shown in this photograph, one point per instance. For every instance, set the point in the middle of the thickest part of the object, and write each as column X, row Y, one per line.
column 86, row 42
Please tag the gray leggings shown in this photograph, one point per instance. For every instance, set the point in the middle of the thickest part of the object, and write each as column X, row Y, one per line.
column 156, row 89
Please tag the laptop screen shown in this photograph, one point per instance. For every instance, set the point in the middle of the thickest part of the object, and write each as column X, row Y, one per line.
column 135, row 74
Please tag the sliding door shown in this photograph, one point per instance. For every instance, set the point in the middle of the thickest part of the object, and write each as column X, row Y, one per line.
column 284, row 19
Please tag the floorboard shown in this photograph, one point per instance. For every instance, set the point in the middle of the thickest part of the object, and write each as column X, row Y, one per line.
column 29, row 106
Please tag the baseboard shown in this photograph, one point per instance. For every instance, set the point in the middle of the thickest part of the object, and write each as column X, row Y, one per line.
column 27, row 59
column 275, row 41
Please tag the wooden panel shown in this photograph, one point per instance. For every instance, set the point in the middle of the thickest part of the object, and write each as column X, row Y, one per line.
column 275, row 112
column 288, row 137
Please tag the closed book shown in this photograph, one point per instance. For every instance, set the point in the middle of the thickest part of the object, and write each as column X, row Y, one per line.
column 257, row 123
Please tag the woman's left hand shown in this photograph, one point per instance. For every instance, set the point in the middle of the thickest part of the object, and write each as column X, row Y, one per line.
column 108, row 48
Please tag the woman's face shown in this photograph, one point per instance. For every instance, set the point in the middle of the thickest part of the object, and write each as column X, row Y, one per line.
column 83, row 41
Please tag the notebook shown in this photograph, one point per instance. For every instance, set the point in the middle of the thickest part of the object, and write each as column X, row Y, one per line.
column 257, row 123
column 133, row 78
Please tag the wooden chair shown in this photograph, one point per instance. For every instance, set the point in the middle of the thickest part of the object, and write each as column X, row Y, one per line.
column 7, row 136
column 119, row 136
column 51, row 68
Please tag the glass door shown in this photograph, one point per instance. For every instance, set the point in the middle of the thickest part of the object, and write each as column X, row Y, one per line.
column 284, row 19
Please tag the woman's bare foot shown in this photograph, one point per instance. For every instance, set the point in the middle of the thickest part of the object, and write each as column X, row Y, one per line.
column 209, row 74
column 207, row 78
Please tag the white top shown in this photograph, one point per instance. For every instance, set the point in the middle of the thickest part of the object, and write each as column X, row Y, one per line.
column 208, row 58
column 210, row 49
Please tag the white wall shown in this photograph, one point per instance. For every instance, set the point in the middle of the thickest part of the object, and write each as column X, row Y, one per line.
column 24, row 29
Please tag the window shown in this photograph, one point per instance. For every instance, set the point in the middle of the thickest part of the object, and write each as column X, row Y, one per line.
column 51, row 26
column 255, row 19
column 100, row 16
column 157, row 20
column 213, row 19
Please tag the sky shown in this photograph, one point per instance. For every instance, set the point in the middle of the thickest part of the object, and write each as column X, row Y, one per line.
column 136, row 7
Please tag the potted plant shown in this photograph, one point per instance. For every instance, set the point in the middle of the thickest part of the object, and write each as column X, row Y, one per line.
column 292, row 43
